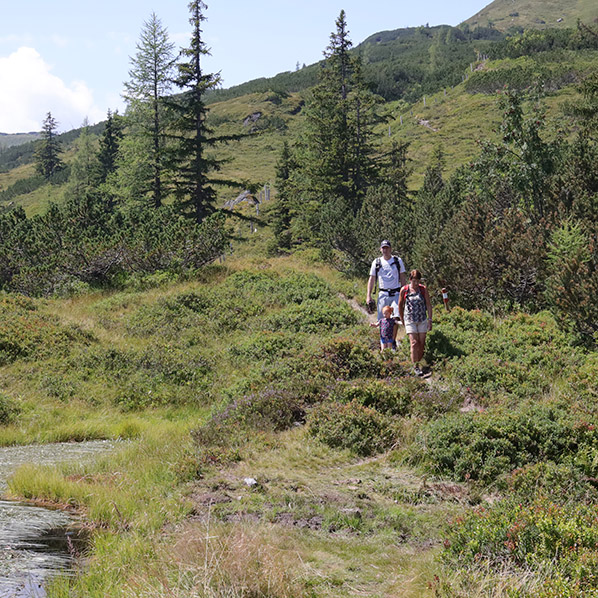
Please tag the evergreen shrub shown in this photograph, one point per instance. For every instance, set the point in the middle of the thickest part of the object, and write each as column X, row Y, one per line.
column 313, row 316
column 346, row 358
column 556, row 541
column 9, row 410
column 559, row 482
column 383, row 396
column 267, row 345
column 484, row 446
column 352, row 426
column 582, row 386
column 25, row 332
column 240, row 420
column 519, row 356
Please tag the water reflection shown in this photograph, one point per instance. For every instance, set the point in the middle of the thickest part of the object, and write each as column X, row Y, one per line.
column 34, row 541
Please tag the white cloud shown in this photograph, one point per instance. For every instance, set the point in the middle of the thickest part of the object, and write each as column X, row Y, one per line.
column 28, row 91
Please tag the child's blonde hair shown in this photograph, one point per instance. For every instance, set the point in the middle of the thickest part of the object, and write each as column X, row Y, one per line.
column 387, row 311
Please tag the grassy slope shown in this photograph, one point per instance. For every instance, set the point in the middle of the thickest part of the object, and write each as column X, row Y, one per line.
column 135, row 493
column 9, row 140
column 10, row 177
column 535, row 13
column 322, row 521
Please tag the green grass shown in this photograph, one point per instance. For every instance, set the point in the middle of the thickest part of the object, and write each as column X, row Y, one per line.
column 204, row 389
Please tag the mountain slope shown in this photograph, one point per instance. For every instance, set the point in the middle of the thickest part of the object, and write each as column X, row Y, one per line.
column 10, row 139
column 534, row 14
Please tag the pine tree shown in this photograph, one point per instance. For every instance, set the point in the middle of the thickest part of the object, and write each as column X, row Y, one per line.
column 191, row 164
column 433, row 181
column 109, row 144
column 337, row 150
column 47, row 154
column 282, row 213
column 149, row 82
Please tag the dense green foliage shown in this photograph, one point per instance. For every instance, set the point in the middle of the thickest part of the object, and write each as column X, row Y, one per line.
column 408, row 63
column 258, row 373
column 83, row 244
column 261, row 356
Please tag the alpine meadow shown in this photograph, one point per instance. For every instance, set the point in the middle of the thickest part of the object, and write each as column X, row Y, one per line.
column 187, row 280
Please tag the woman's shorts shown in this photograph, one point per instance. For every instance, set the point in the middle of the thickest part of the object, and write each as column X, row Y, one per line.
column 417, row 327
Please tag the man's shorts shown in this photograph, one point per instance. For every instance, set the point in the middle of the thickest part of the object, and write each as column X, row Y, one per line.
column 384, row 299
column 417, row 327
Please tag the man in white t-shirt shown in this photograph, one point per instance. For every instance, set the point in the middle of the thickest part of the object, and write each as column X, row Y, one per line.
column 391, row 275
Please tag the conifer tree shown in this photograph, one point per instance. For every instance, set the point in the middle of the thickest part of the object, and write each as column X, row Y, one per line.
column 150, row 80
column 337, row 151
column 84, row 167
column 191, row 164
column 282, row 213
column 47, row 154
column 109, row 144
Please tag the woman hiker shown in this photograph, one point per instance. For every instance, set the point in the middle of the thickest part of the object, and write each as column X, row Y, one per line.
column 415, row 311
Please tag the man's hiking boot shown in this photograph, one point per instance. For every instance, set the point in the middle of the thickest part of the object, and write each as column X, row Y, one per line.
column 417, row 371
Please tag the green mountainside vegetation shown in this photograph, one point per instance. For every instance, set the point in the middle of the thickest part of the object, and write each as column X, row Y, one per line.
column 516, row 15
column 187, row 279
column 8, row 140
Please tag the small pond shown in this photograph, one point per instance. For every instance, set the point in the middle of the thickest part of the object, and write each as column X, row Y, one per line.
column 36, row 542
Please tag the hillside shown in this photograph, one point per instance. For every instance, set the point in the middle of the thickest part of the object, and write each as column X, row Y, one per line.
column 402, row 63
column 261, row 444
column 507, row 15
column 9, row 140
column 265, row 433
column 455, row 118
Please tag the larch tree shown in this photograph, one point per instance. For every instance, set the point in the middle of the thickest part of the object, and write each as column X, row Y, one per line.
column 150, row 81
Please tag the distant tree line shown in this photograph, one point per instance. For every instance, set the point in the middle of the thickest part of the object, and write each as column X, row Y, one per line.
column 400, row 64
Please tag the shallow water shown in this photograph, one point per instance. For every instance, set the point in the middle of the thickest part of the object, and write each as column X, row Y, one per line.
column 35, row 542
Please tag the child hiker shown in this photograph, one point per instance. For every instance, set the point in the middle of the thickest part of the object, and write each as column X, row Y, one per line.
column 387, row 328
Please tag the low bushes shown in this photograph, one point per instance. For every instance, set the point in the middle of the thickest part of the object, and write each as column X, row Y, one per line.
column 267, row 345
column 385, row 397
column 352, row 426
column 244, row 419
column 558, row 542
column 313, row 316
column 25, row 332
column 519, row 356
column 88, row 241
column 345, row 358
column 8, row 410
column 484, row 446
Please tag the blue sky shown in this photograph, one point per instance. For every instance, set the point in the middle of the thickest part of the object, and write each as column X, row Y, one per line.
column 71, row 57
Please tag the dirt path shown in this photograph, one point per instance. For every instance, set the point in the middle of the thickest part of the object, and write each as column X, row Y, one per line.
column 469, row 402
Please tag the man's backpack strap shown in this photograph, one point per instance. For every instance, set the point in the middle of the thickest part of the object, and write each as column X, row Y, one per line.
column 394, row 262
